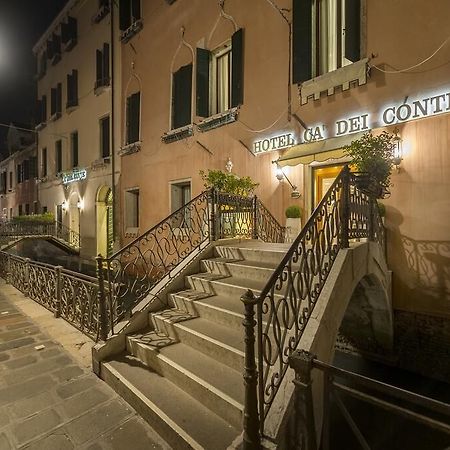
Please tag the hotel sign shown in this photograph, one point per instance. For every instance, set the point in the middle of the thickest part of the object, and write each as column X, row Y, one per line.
column 74, row 175
column 416, row 108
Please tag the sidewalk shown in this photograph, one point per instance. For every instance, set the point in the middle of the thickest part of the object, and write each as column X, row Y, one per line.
column 49, row 397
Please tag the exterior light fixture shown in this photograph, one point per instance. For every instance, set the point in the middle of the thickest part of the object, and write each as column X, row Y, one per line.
column 80, row 204
column 281, row 176
column 398, row 150
column 65, row 206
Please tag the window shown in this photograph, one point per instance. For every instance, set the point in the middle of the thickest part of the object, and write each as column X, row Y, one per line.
column 220, row 77
column 41, row 113
column 326, row 36
column 104, row 137
column 10, row 180
column 44, row 162
column 56, row 101
column 58, row 156
column 102, row 67
column 27, row 209
column 130, row 18
column 102, row 12
column 41, row 64
column 132, row 208
column 69, row 33
column 44, row 209
column 10, row 213
column 182, row 97
column 133, row 117
column 33, row 167
column 72, row 89
column 3, row 183
column 74, row 148
column 54, row 49
column 19, row 173
column 180, row 195
column 26, row 169
column 20, row 210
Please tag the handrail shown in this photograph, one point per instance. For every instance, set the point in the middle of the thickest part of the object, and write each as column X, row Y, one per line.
column 16, row 230
column 286, row 302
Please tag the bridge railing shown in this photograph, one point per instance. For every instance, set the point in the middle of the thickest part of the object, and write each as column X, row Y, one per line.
column 338, row 384
column 285, row 304
column 11, row 230
column 70, row 295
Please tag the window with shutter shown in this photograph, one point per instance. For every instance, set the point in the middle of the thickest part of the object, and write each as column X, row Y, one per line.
column 69, row 33
column 104, row 137
column 58, row 156
column 326, row 36
column 74, row 148
column 72, row 89
column 130, row 21
column 44, row 162
column 133, row 117
column 102, row 67
column 220, row 77
column 182, row 97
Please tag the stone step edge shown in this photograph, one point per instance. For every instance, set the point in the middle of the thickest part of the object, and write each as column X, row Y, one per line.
column 215, row 391
column 156, row 412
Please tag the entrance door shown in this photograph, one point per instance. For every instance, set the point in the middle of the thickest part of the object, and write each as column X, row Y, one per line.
column 323, row 178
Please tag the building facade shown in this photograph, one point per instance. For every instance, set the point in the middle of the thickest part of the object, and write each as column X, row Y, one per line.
column 75, row 123
column 292, row 82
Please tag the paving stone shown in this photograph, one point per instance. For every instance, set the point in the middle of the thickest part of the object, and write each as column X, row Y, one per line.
column 17, row 343
column 68, row 373
column 36, row 369
column 32, row 405
column 36, row 425
column 4, row 442
column 82, row 402
column 95, row 446
column 135, row 431
column 51, row 352
column 16, row 326
column 21, row 362
column 23, row 390
column 56, row 441
column 30, row 348
column 4, row 357
column 4, row 419
column 98, row 421
column 18, row 334
column 74, row 387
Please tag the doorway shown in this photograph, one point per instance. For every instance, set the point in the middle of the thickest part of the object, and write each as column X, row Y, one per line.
column 323, row 178
column 74, row 213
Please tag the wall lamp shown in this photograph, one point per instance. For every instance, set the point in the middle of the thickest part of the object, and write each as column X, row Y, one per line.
column 281, row 176
column 398, row 150
column 65, row 206
column 80, row 204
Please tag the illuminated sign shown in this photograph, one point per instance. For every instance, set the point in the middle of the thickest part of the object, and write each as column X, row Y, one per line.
column 74, row 175
column 274, row 143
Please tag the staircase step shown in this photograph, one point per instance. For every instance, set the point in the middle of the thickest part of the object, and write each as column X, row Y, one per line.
column 218, row 387
column 183, row 421
column 252, row 270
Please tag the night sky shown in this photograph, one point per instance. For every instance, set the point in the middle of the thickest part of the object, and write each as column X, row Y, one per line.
column 22, row 22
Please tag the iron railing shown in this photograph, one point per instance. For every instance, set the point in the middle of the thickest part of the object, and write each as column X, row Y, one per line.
column 11, row 231
column 337, row 382
column 70, row 295
column 156, row 257
column 285, row 304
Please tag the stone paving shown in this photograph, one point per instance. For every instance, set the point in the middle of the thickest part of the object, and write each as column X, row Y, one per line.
column 49, row 397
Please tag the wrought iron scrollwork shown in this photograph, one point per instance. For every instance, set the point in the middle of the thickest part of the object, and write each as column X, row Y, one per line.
column 268, row 228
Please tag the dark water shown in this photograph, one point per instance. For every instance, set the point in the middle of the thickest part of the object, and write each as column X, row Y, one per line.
column 47, row 252
column 383, row 429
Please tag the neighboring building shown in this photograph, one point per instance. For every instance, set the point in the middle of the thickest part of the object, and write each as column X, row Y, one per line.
column 75, row 122
column 18, row 175
column 202, row 85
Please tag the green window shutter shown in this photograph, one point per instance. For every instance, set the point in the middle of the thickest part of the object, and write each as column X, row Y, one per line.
column 136, row 9
column 105, row 62
column 301, row 41
column 124, row 14
column 134, row 111
column 237, row 68
column 99, row 63
column 353, row 30
column 202, row 80
column 75, row 86
column 182, row 97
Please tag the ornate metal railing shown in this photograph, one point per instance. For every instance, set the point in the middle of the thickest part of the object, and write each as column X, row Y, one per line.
column 285, row 304
column 70, row 295
column 338, row 384
column 130, row 274
column 11, row 231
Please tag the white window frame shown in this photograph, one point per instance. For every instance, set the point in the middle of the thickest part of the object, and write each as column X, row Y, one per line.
column 181, row 184
column 217, row 54
column 131, row 211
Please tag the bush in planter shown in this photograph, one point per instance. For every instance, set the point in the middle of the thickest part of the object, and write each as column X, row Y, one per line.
column 47, row 217
column 373, row 155
column 381, row 209
column 293, row 212
column 228, row 182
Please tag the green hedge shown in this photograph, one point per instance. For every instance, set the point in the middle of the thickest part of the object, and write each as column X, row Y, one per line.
column 47, row 217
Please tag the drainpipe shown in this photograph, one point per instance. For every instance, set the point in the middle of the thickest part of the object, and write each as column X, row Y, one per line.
column 113, row 165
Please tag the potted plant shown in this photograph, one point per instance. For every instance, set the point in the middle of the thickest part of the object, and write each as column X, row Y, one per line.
column 293, row 222
column 228, row 182
column 372, row 156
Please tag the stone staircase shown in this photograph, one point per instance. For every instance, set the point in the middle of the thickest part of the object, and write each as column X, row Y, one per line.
column 183, row 373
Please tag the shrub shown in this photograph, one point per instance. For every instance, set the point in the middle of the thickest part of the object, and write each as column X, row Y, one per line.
column 293, row 212
column 228, row 182
column 47, row 217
